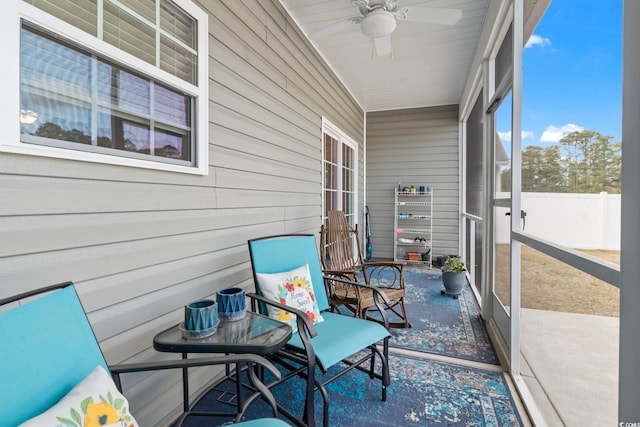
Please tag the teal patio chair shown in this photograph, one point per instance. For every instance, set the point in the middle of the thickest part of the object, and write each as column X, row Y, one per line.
column 339, row 340
column 47, row 349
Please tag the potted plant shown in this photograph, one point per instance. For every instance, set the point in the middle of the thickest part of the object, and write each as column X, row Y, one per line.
column 453, row 276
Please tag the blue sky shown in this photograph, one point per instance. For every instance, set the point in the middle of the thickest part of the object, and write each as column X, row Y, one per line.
column 572, row 73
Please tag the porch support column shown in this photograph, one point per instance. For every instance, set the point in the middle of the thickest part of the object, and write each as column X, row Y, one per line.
column 629, row 373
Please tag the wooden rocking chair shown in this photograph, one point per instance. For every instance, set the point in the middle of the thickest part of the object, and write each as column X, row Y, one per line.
column 337, row 240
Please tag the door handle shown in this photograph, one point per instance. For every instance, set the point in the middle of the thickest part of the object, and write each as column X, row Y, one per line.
column 523, row 216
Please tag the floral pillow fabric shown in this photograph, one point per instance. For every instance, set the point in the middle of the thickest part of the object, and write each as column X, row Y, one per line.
column 292, row 288
column 94, row 402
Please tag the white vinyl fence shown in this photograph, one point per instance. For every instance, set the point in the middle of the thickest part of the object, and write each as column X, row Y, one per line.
column 579, row 221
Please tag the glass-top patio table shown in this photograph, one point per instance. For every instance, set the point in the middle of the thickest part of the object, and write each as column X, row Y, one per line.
column 255, row 334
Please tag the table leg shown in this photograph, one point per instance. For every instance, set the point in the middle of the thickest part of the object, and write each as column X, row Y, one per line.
column 239, row 388
column 185, row 387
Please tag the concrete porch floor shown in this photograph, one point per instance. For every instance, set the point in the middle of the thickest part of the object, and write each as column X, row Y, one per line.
column 570, row 366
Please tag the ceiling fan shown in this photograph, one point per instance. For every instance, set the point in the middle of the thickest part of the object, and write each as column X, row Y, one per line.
column 379, row 19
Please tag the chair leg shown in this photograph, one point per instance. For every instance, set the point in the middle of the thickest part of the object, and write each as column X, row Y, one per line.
column 264, row 390
column 372, row 364
column 386, row 376
column 309, row 417
column 325, row 402
column 407, row 324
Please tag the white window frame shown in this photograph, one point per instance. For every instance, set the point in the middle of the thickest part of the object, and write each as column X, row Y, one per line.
column 14, row 11
column 332, row 130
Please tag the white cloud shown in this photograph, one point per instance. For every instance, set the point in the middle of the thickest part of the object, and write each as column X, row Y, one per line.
column 536, row 40
column 527, row 134
column 555, row 134
column 506, row 136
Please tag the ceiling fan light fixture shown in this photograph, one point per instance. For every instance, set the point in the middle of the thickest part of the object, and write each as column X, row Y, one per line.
column 378, row 23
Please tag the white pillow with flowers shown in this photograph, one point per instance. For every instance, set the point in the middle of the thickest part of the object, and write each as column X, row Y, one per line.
column 292, row 288
column 94, row 402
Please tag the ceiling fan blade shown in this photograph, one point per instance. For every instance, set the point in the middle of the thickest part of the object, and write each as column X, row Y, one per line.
column 361, row 3
column 338, row 27
column 382, row 45
column 429, row 15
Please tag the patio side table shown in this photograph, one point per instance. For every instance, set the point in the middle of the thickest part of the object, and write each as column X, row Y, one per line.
column 254, row 334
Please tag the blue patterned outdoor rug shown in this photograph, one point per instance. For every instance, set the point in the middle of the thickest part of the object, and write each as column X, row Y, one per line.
column 442, row 325
column 422, row 393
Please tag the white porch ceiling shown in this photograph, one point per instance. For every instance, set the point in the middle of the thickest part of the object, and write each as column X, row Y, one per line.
column 429, row 64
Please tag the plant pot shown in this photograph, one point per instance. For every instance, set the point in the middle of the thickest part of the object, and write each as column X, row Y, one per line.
column 200, row 319
column 232, row 304
column 413, row 256
column 453, row 283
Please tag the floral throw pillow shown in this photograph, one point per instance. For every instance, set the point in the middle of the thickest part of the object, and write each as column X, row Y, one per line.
column 292, row 288
column 94, row 402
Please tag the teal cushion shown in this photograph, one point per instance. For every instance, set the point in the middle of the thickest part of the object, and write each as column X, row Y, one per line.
column 341, row 336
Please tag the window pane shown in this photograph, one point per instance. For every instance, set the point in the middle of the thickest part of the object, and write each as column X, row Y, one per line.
column 340, row 175
column 504, row 59
column 50, row 67
column 62, row 130
column 171, row 107
column 179, row 24
column 121, row 134
column 56, row 104
column 331, row 200
column 331, row 176
column 146, row 8
column 79, row 13
column 347, row 203
column 121, row 90
column 172, row 145
column 129, row 34
column 136, row 33
column 502, row 149
column 347, row 179
column 137, row 135
column 55, row 89
column 347, row 156
column 177, row 60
